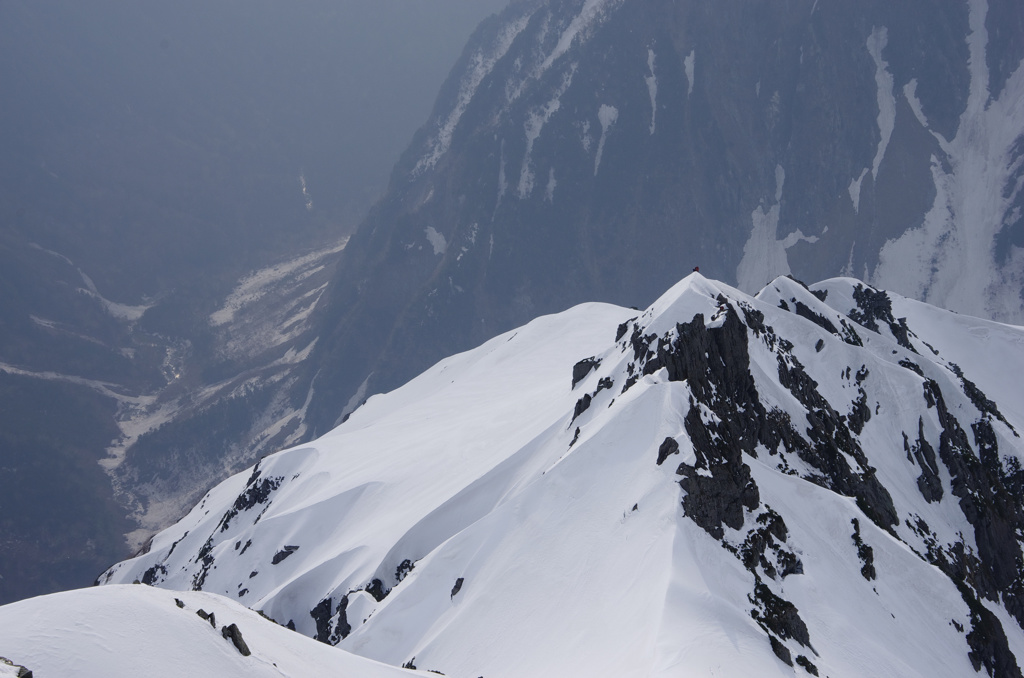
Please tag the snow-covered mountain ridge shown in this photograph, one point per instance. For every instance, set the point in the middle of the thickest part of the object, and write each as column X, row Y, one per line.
column 821, row 480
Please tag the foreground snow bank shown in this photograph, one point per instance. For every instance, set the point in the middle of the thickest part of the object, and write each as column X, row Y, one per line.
column 132, row 631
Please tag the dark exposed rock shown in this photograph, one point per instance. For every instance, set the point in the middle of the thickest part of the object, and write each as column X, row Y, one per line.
column 410, row 664
column 581, row 405
column 248, row 543
column 987, row 640
column 780, row 650
column 912, row 366
column 233, row 634
column 584, row 367
column 621, row 331
column 207, row 616
column 803, row 661
column 403, row 570
column 205, row 557
column 179, row 603
column 668, row 447
column 458, row 586
column 257, row 491
column 154, row 575
column 778, row 615
column 175, row 544
column 377, row 590
column 928, row 482
column 584, row 403
column 978, row 481
column 22, row 671
column 283, row 553
column 874, row 306
column 860, row 414
column 764, row 547
column 819, row 346
column 979, row 399
column 832, row 443
column 864, row 552
column 322, row 615
column 821, row 321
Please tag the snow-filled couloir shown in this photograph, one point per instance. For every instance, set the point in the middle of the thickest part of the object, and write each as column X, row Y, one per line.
column 818, row 480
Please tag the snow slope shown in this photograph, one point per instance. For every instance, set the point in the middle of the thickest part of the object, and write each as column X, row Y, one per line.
column 719, row 485
column 130, row 631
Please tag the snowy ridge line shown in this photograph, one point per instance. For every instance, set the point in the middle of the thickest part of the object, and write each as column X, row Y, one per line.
column 751, row 482
column 136, row 630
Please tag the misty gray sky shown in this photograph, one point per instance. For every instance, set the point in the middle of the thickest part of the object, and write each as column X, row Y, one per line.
column 121, row 112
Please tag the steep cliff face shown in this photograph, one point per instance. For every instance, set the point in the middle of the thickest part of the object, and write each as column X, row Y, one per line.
column 598, row 149
column 737, row 484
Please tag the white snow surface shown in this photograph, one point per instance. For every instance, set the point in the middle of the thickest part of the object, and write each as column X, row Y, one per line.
column 132, row 631
column 566, row 542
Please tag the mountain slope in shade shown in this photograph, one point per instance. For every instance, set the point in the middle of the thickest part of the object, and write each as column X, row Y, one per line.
column 128, row 631
column 820, row 480
column 580, row 141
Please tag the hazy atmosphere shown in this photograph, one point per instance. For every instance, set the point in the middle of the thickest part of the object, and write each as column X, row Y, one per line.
column 164, row 150
column 512, row 338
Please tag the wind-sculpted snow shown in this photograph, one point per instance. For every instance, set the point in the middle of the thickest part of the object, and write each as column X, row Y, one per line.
column 821, row 480
column 131, row 631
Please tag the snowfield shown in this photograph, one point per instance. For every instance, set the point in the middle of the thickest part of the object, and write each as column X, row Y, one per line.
column 123, row 631
column 819, row 481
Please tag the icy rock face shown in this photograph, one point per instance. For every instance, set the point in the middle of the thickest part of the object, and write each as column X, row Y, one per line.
column 870, row 139
column 798, row 475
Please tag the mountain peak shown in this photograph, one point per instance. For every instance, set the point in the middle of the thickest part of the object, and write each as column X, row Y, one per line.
column 799, row 474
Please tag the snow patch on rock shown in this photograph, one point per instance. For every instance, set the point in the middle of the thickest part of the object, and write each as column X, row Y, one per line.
column 877, row 41
column 764, row 255
column 436, row 240
column 533, row 126
column 607, row 115
column 688, row 64
column 652, row 87
column 855, row 190
column 950, row 259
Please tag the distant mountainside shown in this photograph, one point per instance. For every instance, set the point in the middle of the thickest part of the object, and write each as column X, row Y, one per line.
column 176, row 180
column 824, row 479
column 599, row 149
